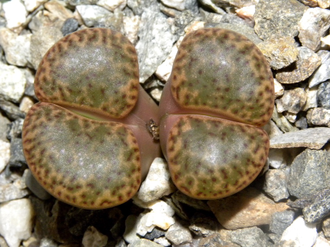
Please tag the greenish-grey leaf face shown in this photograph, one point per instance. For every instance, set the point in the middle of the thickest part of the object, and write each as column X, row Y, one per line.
column 89, row 163
column 81, row 161
column 222, row 89
column 224, row 73
column 93, row 69
column 214, row 158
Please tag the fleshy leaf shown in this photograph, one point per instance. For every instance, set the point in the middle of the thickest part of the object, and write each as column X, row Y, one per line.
column 211, row 158
column 86, row 163
column 93, row 69
column 223, row 73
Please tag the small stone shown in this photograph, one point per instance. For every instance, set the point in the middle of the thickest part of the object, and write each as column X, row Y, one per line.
column 292, row 101
column 69, row 26
column 17, row 157
column 155, row 233
column 157, row 183
column 46, row 32
column 309, row 173
column 93, row 238
column 299, row 233
column 45, row 242
column 209, row 4
column 164, row 70
column 131, row 224
column 153, row 48
column 16, row 47
column 26, row 104
column 112, row 4
column 15, row 13
column 203, row 224
column 291, row 117
column 239, row 210
column 308, row 61
column 314, row 138
column 16, row 219
column 326, row 227
column 322, row 73
column 213, row 240
column 321, row 242
column 323, row 95
column 162, row 241
column 13, row 190
column 276, row 158
column 31, row 5
column 286, row 15
column 178, row 234
column 4, row 154
column 301, row 123
column 161, row 215
column 144, row 243
column 57, row 9
column 250, row 237
column 312, row 26
column 12, row 82
column 280, row 52
column 311, row 3
column 11, row 110
column 4, row 121
column 93, row 15
column 15, row 129
column 276, row 184
column 280, row 221
column 282, row 123
column 246, row 12
column 318, row 117
column 311, row 100
column 278, row 88
column 323, row 3
column 319, row 209
column 131, row 27
column 176, row 4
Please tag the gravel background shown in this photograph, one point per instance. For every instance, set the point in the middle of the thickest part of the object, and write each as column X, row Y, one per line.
column 288, row 205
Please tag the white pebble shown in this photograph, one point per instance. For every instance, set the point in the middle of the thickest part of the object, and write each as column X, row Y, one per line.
column 112, row 4
column 321, row 242
column 157, row 183
column 26, row 104
column 31, row 5
column 12, row 82
column 93, row 238
column 15, row 13
column 16, row 221
column 177, row 4
column 4, row 154
column 300, row 233
column 160, row 215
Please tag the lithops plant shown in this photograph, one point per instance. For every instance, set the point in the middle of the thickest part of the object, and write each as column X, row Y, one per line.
column 219, row 95
column 86, row 141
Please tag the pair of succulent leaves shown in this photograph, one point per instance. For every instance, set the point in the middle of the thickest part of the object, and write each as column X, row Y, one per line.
column 87, row 141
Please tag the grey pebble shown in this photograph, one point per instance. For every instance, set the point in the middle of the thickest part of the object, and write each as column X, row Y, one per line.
column 323, row 95
column 319, row 209
column 70, row 25
column 280, row 221
column 309, row 173
column 250, row 237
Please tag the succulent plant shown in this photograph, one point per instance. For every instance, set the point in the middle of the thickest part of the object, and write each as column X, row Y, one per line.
column 219, row 95
column 86, row 141
column 91, row 139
